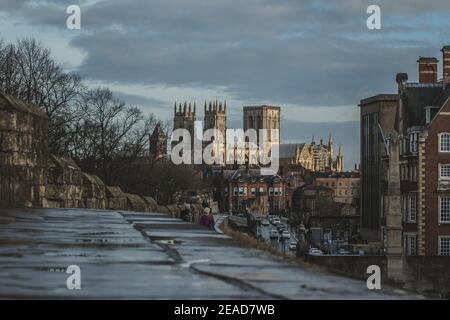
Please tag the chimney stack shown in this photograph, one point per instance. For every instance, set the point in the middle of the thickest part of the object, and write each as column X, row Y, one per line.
column 427, row 69
column 446, row 65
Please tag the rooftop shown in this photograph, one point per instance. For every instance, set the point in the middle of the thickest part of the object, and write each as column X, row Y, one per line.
column 288, row 150
column 264, row 106
column 379, row 97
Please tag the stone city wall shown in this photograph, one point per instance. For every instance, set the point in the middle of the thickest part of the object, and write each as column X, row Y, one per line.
column 32, row 177
column 23, row 153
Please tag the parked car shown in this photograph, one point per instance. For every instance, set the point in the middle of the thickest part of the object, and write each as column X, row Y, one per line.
column 274, row 234
column 293, row 245
column 276, row 221
column 265, row 222
column 315, row 252
column 285, row 234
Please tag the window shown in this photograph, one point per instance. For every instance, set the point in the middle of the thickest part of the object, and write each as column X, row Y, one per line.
column 275, row 205
column 409, row 207
column 270, row 191
column 444, row 246
column 444, row 142
column 413, row 142
column 411, row 245
column 253, row 191
column 414, row 173
column 405, row 207
column 444, row 171
column 261, row 190
column 235, row 191
column 402, row 172
column 412, row 212
column 444, row 209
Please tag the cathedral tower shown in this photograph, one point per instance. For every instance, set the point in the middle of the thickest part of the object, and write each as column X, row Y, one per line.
column 263, row 117
column 184, row 118
column 216, row 118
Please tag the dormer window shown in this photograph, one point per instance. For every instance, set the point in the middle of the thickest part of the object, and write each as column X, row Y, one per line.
column 430, row 112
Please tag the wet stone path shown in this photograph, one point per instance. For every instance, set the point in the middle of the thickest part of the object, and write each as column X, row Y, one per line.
column 149, row 256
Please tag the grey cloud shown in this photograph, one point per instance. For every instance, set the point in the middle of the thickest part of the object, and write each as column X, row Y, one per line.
column 149, row 104
column 289, row 51
column 282, row 51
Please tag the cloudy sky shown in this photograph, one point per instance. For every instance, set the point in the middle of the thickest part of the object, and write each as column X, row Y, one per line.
column 316, row 59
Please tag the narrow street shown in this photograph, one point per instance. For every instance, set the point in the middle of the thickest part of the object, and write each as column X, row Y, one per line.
column 278, row 242
column 152, row 256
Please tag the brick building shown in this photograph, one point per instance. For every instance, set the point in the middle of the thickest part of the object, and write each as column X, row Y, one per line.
column 248, row 189
column 419, row 113
column 345, row 185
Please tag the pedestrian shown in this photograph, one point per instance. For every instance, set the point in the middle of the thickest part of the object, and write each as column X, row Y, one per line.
column 205, row 220
column 211, row 222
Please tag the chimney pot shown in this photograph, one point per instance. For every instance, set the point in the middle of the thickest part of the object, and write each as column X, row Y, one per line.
column 427, row 69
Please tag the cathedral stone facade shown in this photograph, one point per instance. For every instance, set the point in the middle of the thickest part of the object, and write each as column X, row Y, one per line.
column 323, row 156
column 158, row 143
column 315, row 157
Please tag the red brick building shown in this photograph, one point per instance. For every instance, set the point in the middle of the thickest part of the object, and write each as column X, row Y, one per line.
column 248, row 189
column 420, row 114
column 434, row 185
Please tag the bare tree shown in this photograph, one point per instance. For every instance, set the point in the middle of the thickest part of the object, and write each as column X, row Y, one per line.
column 103, row 134
column 110, row 134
